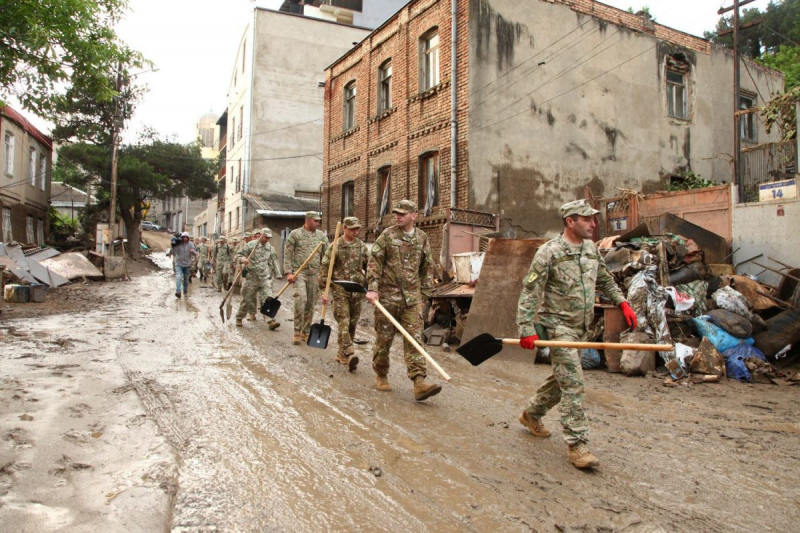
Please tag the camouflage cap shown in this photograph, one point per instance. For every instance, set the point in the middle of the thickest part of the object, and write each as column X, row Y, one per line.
column 255, row 232
column 404, row 206
column 314, row 215
column 266, row 232
column 351, row 223
column 221, row 239
column 247, row 234
column 578, row 207
column 235, row 239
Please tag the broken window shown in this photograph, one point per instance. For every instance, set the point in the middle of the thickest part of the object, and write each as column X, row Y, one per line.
column 677, row 77
column 32, row 167
column 9, row 154
column 429, row 182
column 349, row 111
column 348, row 199
column 384, row 191
column 7, row 233
column 429, row 60
column 747, row 121
column 385, row 87
column 29, row 230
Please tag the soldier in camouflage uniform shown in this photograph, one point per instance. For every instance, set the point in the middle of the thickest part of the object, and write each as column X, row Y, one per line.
column 400, row 275
column 299, row 245
column 558, row 296
column 261, row 269
column 350, row 265
column 222, row 263
column 204, row 252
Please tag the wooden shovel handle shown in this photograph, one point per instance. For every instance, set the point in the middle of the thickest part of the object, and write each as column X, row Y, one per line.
column 330, row 268
column 236, row 278
column 304, row 265
column 412, row 340
column 598, row 345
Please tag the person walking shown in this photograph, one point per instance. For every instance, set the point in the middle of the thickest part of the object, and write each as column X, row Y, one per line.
column 259, row 272
column 299, row 245
column 558, row 295
column 221, row 262
column 184, row 253
column 204, row 259
column 400, row 276
column 350, row 264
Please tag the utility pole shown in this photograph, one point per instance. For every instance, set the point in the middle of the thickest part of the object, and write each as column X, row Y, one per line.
column 112, row 209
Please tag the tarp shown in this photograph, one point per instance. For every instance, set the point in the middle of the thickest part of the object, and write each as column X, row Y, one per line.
column 73, row 266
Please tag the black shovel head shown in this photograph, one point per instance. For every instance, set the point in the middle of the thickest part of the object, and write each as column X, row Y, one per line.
column 270, row 307
column 351, row 286
column 480, row 348
column 319, row 335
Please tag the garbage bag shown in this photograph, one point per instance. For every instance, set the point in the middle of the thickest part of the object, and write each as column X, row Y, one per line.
column 730, row 299
column 717, row 336
column 735, row 358
column 680, row 300
column 736, row 325
column 590, row 359
column 648, row 300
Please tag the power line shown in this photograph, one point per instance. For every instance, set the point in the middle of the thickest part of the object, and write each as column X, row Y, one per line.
column 570, row 90
column 781, row 35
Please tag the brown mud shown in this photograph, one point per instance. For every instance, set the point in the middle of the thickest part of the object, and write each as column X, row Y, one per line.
column 148, row 413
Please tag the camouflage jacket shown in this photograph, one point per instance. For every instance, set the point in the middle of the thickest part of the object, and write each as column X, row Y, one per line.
column 202, row 253
column 299, row 244
column 263, row 264
column 561, row 285
column 401, row 267
column 223, row 254
column 351, row 262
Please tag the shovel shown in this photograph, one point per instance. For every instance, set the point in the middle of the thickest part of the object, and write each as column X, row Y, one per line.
column 352, row 286
column 272, row 304
column 229, row 307
column 486, row 345
column 320, row 333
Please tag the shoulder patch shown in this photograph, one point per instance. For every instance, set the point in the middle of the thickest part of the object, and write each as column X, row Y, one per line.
column 375, row 248
column 532, row 277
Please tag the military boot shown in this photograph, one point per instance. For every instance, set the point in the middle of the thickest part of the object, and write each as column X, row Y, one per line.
column 297, row 339
column 534, row 425
column 423, row 391
column 352, row 363
column 274, row 324
column 580, row 456
column 251, row 317
column 219, row 289
column 382, row 383
column 238, row 322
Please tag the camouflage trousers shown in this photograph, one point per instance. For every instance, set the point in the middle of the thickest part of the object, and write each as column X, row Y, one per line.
column 223, row 275
column 306, row 291
column 564, row 385
column 254, row 291
column 411, row 319
column 346, row 311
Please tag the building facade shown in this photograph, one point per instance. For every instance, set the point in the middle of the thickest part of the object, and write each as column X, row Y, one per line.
column 276, row 99
column 24, row 180
column 552, row 99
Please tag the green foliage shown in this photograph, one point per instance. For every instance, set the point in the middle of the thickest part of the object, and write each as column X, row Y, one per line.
column 61, row 226
column 787, row 60
column 781, row 112
column 689, row 181
column 645, row 9
column 51, row 46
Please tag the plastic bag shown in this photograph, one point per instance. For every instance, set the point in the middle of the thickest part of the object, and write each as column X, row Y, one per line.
column 735, row 324
column 590, row 359
column 717, row 336
column 681, row 301
column 735, row 357
column 730, row 299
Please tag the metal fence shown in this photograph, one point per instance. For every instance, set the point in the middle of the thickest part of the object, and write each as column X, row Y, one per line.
column 765, row 163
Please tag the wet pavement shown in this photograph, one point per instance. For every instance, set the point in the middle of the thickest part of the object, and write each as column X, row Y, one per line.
column 266, row 436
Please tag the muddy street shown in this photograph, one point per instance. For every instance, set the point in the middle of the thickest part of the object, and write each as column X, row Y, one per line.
column 142, row 412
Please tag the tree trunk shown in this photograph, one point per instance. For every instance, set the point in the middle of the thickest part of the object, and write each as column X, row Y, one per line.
column 132, row 222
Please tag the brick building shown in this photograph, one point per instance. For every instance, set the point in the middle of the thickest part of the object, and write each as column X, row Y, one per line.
column 552, row 98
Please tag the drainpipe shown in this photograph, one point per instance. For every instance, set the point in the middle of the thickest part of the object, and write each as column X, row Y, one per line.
column 453, row 121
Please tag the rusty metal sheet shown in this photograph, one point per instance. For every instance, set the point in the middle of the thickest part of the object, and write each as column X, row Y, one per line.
column 73, row 266
column 453, row 290
column 714, row 246
column 494, row 305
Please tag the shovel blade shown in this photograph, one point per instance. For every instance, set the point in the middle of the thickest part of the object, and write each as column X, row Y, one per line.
column 228, row 309
column 270, row 307
column 351, row 286
column 319, row 335
column 222, row 315
column 480, row 348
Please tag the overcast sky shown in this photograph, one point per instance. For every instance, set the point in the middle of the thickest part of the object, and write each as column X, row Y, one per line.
column 193, row 45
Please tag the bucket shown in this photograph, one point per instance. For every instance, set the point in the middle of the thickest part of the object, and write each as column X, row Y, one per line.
column 37, row 292
column 17, row 294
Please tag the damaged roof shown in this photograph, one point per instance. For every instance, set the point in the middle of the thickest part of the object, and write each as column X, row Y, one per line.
column 282, row 205
column 63, row 194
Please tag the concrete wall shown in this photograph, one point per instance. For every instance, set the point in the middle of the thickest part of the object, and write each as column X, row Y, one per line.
column 760, row 228
column 554, row 109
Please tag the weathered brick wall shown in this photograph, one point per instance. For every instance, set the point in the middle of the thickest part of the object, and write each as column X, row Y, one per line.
column 418, row 122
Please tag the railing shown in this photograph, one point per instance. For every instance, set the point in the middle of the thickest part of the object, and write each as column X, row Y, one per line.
column 765, row 163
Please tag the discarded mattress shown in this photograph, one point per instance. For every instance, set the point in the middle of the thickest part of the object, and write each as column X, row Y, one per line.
column 73, row 266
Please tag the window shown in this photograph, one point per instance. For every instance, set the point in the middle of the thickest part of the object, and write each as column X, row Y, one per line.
column 677, row 71
column 237, row 218
column 40, row 232
column 349, row 112
column 241, row 121
column 747, row 122
column 8, row 235
column 385, row 87
column 348, row 199
column 42, row 172
column 233, row 131
column 429, row 182
column 429, row 60
column 238, row 177
column 32, row 167
column 244, row 49
column 384, row 191
column 8, row 158
column 29, row 230
column 230, row 227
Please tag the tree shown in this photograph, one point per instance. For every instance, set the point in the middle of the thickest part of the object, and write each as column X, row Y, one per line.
column 49, row 45
column 150, row 169
column 787, row 60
